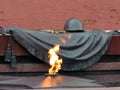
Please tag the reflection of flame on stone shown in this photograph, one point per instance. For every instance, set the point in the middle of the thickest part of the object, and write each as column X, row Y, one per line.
column 64, row 40
column 55, row 62
column 69, row 36
column 50, row 81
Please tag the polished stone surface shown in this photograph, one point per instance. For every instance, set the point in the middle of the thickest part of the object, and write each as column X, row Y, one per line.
column 47, row 81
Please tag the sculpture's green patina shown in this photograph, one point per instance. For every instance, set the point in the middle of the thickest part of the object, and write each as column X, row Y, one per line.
column 78, row 50
column 73, row 25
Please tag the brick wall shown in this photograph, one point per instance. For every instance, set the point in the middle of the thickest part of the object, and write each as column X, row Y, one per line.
column 52, row 14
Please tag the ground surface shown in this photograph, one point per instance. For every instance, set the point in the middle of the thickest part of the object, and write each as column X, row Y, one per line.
column 57, row 82
column 52, row 14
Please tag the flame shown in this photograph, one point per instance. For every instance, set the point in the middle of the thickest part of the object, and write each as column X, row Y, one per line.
column 55, row 61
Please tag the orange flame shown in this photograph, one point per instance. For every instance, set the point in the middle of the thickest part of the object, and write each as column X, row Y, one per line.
column 55, row 60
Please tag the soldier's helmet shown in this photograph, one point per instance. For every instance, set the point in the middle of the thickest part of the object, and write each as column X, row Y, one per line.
column 73, row 24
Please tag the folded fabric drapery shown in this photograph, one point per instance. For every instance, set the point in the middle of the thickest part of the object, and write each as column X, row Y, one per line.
column 79, row 50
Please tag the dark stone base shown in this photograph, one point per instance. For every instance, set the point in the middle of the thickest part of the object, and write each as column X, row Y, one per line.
column 44, row 81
